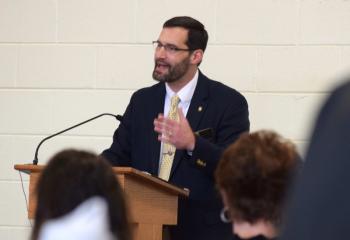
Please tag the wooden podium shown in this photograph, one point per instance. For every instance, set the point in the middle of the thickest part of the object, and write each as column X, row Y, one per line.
column 152, row 202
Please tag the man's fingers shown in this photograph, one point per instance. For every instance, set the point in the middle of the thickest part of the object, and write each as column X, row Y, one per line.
column 165, row 123
column 168, row 130
column 181, row 114
column 164, row 138
column 162, row 127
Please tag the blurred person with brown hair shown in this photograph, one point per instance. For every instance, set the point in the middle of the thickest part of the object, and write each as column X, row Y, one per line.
column 253, row 176
column 79, row 197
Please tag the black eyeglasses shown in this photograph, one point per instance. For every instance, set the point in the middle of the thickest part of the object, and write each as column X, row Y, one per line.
column 169, row 48
column 225, row 215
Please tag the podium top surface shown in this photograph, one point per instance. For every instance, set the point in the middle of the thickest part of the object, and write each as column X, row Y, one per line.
column 31, row 168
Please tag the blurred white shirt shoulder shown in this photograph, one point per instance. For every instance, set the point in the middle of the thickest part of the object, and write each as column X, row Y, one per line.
column 89, row 221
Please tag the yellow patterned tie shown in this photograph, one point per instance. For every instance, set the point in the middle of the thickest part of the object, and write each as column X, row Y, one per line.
column 169, row 149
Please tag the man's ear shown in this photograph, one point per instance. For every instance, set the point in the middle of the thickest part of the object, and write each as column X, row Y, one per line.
column 197, row 56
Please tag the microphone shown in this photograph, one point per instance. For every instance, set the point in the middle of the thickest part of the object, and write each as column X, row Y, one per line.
column 35, row 161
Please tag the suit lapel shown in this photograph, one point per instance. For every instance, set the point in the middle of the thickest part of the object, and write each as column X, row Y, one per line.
column 195, row 113
column 157, row 106
column 199, row 102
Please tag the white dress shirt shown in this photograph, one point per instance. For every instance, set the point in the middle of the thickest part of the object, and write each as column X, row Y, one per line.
column 185, row 94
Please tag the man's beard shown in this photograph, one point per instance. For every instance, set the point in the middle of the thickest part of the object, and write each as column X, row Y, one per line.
column 174, row 72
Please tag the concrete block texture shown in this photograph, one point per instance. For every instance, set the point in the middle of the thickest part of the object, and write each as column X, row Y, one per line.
column 108, row 21
column 54, row 145
column 324, row 22
column 257, row 22
column 125, row 66
column 64, row 61
column 57, row 66
column 6, row 154
column 9, row 65
column 235, row 66
column 13, row 207
column 292, row 115
column 9, row 233
column 27, row 21
column 298, row 69
column 345, row 62
column 25, row 112
column 150, row 16
column 72, row 107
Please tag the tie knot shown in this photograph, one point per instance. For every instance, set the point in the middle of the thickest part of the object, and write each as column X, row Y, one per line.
column 175, row 100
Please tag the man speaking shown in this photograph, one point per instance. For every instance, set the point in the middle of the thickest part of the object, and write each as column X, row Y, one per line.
column 178, row 128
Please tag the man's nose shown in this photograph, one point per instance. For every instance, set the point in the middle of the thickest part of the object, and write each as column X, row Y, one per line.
column 160, row 53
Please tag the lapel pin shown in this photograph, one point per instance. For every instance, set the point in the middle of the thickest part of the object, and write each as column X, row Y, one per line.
column 200, row 108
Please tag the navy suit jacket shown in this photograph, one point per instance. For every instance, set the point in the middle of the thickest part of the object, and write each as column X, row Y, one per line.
column 135, row 144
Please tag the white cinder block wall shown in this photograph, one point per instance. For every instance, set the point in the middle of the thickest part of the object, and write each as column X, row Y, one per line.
column 63, row 61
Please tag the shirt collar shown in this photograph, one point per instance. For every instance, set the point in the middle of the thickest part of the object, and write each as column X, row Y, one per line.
column 185, row 94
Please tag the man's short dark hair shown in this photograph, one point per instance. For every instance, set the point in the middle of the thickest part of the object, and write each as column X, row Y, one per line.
column 197, row 35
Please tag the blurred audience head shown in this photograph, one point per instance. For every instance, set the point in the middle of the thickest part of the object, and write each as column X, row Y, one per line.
column 318, row 205
column 253, row 177
column 76, row 179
